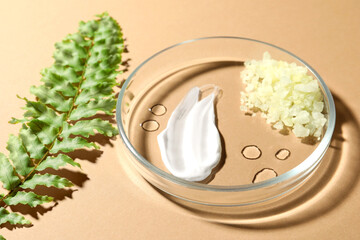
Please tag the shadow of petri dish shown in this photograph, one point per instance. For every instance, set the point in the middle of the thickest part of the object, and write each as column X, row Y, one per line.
column 332, row 183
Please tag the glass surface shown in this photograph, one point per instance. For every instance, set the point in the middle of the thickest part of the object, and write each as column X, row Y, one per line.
column 252, row 150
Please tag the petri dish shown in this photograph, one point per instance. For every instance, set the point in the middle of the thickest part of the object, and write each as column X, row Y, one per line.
column 250, row 146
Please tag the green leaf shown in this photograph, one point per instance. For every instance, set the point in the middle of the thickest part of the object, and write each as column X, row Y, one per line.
column 88, row 28
column 17, row 120
column 56, row 162
column 32, row 143
column 97, row 92
column 93, row 82
column 78, row 85
column 86, row 128
column 45, row 132
column 90, row 109
column 2, row 238
column 51, row 97
column 27, row 198
column 7, row 175
column 71, row 54
column 62, row 72
column 12, row 218
column 71, row 144
column 101, row 72
column 19, row 156
column 47, row 180
column 43, row 113
column 79, row 39
column 58, row 83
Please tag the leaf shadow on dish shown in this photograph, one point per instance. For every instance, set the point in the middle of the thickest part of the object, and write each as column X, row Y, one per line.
column 335, row 179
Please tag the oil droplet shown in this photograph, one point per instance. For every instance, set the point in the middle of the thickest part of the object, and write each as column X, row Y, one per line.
column 150, row 125
column 251, row 152
column 158, row 109
column 264, row 174
column 282, row 154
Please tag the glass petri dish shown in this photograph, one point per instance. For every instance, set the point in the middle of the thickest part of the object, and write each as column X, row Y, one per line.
column 279, row 162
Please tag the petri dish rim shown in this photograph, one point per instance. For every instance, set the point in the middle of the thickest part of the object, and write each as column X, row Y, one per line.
column 309, row 163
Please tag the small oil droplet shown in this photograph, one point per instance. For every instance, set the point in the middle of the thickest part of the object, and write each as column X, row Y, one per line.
column 282, row 154
column 251, row 152
column 264, row 174
column 150, row 125
column 158, row 109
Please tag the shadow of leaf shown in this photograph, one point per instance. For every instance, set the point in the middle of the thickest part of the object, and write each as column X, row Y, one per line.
column 76, row 177
column 102, row 140
column 83, row 154
column 11, row 227
column 33, row 212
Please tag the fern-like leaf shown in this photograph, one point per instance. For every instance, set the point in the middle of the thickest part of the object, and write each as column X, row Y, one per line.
column 7, row 174
column 58, row 83
column 39, row 111
column 19, row 156
column 29, row 198
column 86, row 128
column 32, row 143
column 94, row 93
column 76, row 88
column 57, row 162
column 70, row 144
column 12, row 218
column 93, row 107
column 46, row 132
column 52, row 97
column 47, row 180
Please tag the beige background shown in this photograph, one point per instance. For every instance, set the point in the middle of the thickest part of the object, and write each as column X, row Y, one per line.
column 108, row 204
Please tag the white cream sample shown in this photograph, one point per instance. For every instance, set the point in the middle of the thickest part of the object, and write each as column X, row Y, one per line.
column 190, row 145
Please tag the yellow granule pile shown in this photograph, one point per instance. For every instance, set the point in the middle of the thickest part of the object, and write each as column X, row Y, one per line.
column 286, row 95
